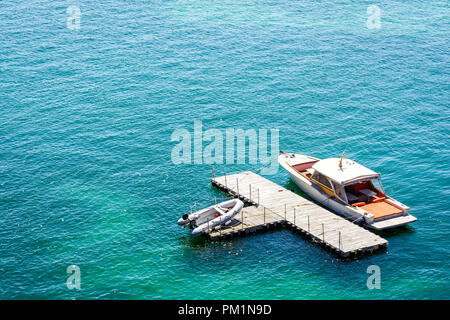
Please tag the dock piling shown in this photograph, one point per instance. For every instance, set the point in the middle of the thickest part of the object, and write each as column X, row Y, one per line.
column 264, row 215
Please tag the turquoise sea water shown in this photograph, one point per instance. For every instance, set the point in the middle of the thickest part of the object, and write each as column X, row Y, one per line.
column 86, row 116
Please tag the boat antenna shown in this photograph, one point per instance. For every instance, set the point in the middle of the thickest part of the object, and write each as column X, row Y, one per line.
column 342, row 157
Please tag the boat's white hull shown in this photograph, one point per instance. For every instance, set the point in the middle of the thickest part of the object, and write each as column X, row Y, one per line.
column 354, row 214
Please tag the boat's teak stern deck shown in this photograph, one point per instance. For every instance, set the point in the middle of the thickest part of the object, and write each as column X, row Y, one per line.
column 381, row 209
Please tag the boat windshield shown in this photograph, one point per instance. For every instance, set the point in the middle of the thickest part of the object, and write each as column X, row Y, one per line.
column 377, row 184
column 338, row 191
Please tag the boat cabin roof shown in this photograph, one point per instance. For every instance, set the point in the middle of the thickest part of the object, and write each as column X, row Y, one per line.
column 349, row 173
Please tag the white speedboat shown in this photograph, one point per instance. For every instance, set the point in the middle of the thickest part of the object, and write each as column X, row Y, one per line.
column 347, row 188
column 211, row 218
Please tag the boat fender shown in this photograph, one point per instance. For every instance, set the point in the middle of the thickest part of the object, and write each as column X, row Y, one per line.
column 185, row 216
column 360, row 220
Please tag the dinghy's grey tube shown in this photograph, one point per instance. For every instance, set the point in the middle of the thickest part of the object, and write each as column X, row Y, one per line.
column 187, row 218
column 226, row 216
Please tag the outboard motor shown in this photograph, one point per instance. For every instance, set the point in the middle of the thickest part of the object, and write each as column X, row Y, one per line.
column 184, row 220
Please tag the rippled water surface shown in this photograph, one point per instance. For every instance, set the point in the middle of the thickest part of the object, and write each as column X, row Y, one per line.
column 86, row 118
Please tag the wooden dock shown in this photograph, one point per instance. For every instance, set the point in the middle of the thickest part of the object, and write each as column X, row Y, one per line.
column 273, row 205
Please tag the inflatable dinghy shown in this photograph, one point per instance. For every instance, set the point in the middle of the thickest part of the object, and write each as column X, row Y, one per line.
column 213, row 217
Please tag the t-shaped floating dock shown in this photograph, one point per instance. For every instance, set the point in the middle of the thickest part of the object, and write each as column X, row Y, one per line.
column 275, row 206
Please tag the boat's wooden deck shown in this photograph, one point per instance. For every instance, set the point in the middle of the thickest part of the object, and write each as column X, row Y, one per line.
column 381, row 209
